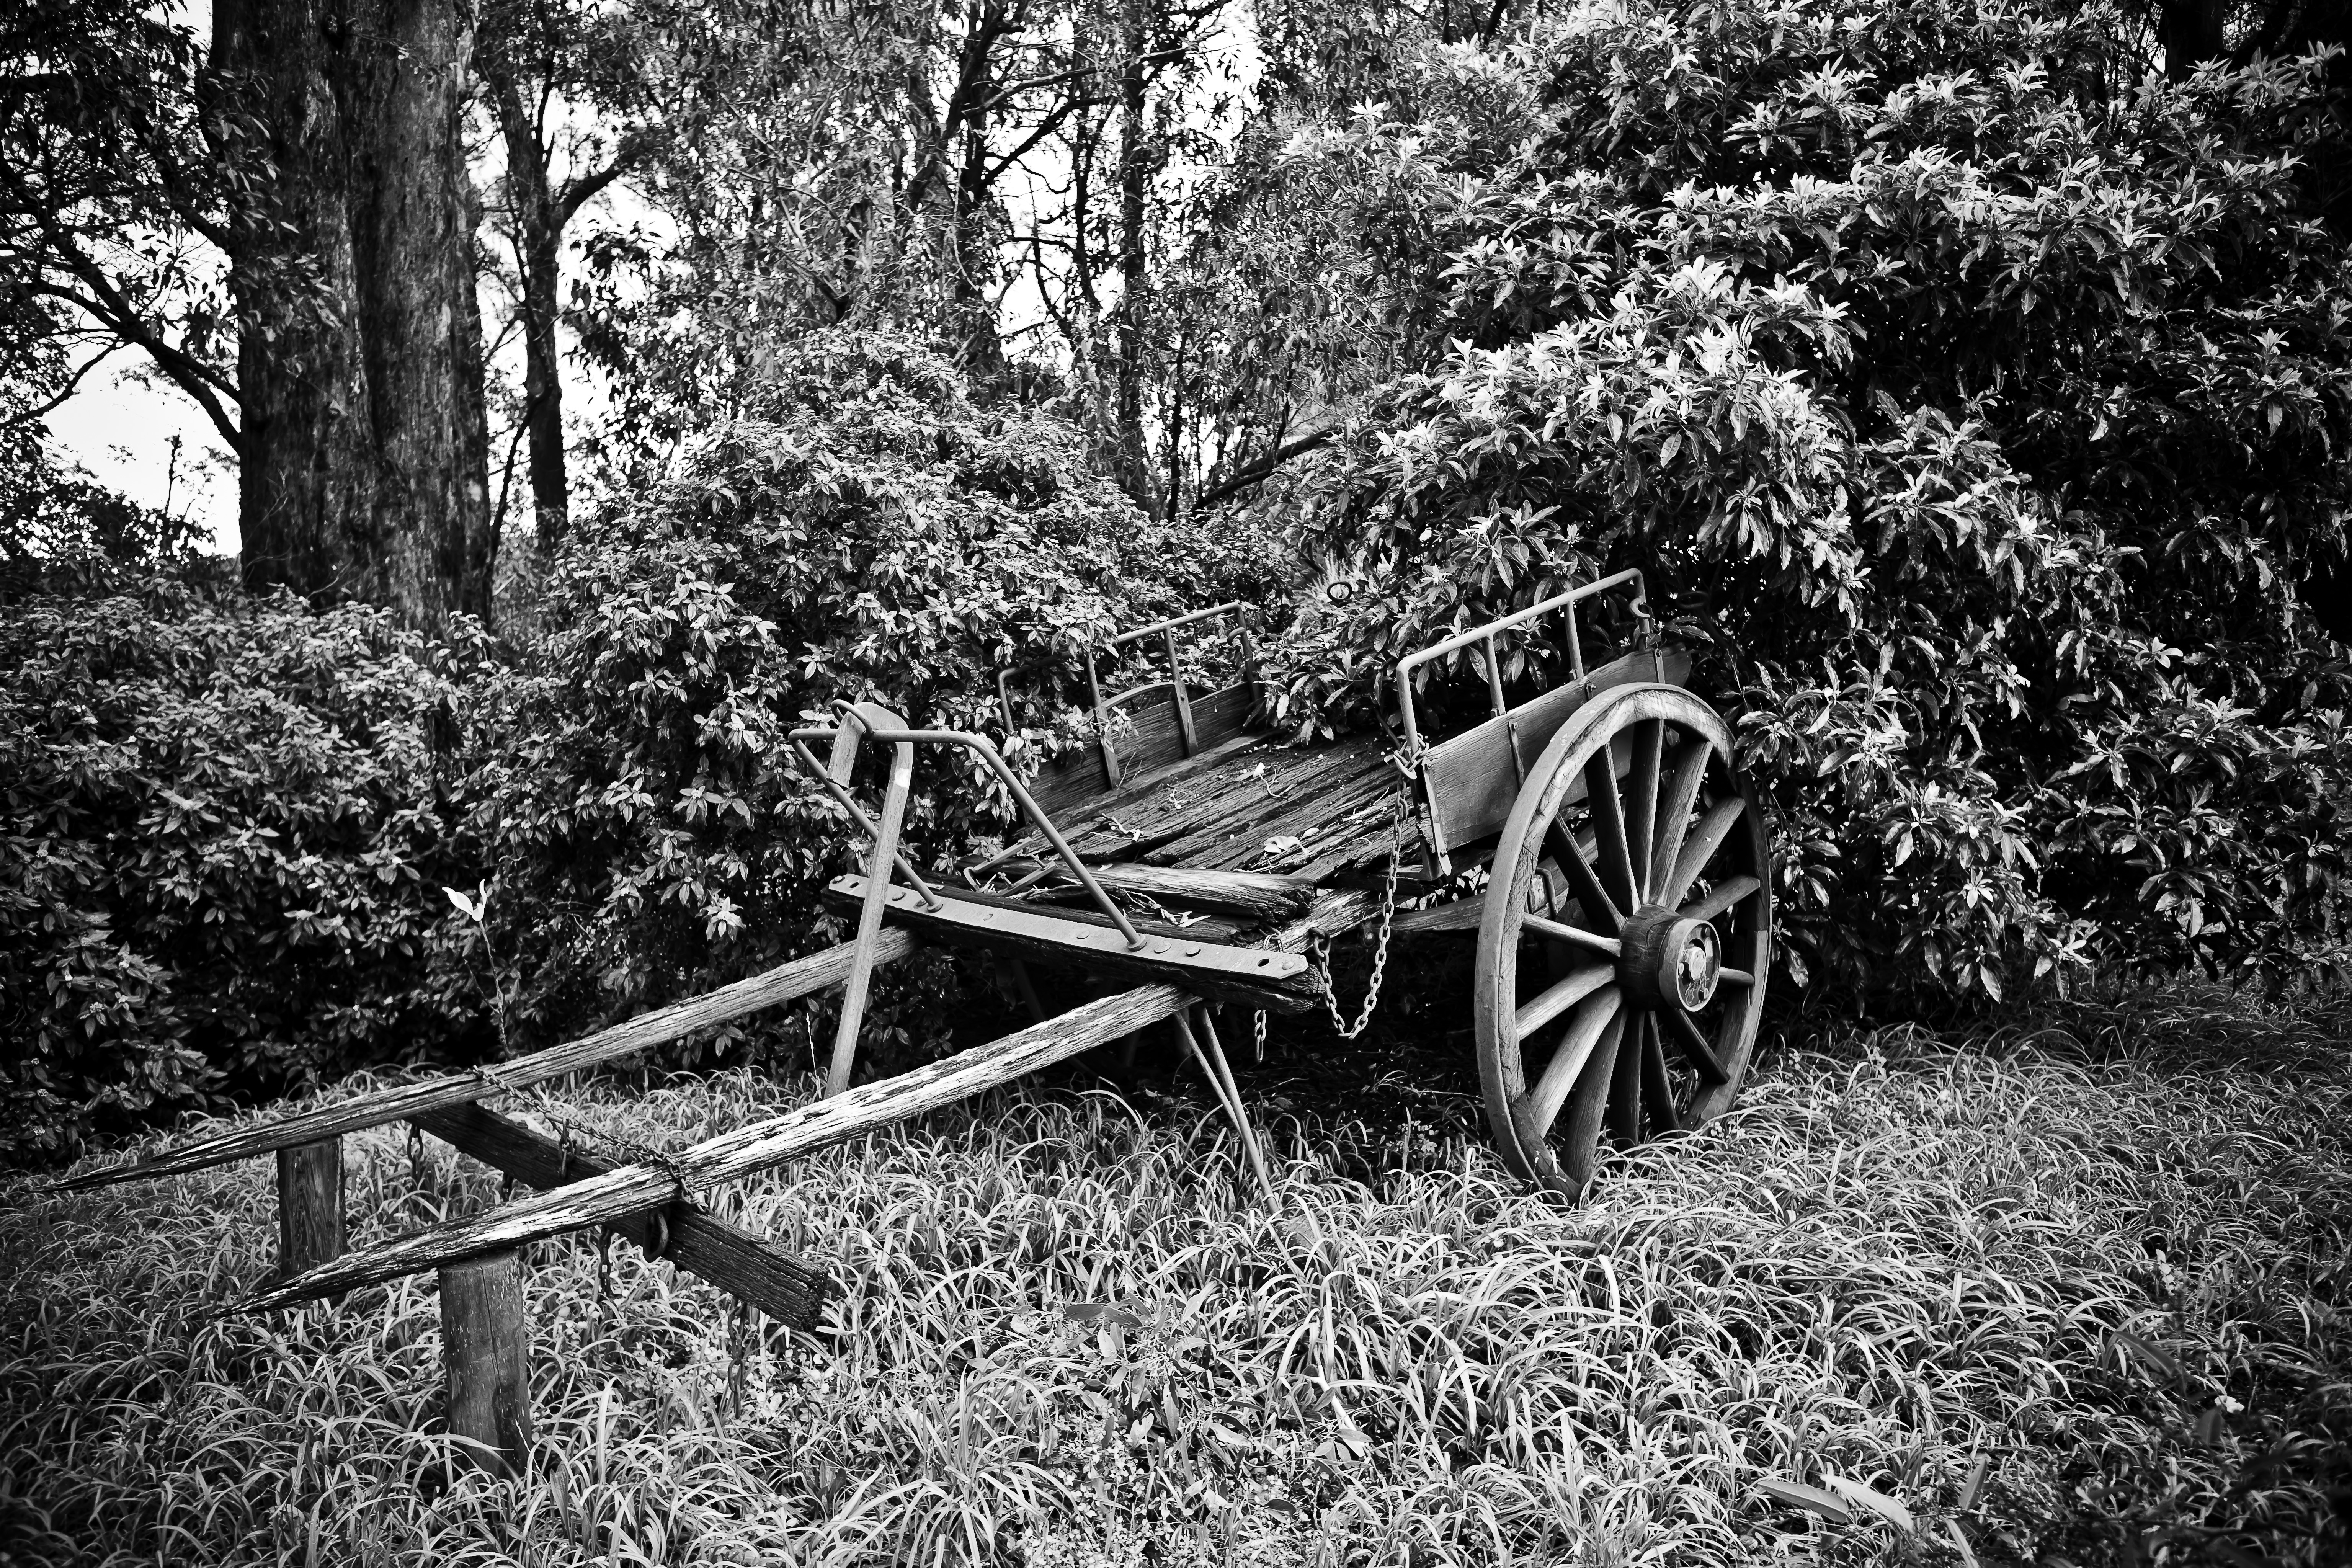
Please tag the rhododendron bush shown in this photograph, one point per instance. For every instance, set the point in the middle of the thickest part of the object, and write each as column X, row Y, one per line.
column 1978, row 408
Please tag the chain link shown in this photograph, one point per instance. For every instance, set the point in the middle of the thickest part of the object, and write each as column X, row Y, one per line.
column 1320, row 946
column 1258, row 1027
column 738, row 1374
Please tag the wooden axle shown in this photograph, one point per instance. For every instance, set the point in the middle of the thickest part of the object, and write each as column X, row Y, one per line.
column 752, row 1269
column 782, row 984
column 636, row 1188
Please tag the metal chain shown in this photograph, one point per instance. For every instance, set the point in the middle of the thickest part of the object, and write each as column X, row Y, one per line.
column 1320, row 945
column 1259, row 1028
column 738, row 1378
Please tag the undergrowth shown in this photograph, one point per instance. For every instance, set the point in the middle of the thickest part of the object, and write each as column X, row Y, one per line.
column 2106, row 1262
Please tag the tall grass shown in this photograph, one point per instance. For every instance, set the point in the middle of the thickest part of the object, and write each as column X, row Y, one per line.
column 2106, row 1267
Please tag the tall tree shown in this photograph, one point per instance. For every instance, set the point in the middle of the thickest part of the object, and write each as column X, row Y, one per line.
column 563, row 85
column 316, row 152
column 366, row 450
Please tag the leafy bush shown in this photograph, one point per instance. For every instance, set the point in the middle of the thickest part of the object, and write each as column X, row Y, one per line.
column 219, row 853
column 1978, row 417
column 861, row 531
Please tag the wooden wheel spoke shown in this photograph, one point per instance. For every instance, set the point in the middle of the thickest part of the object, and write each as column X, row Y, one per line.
column 1560, row 931
column 1589, row 894
column 1735, row 977
column 1598, row 1019
column 1675, row 810
column 1625, row 1092
column 1703, row 842
column 1694, row 1045
column 1642, row 802
column 1562, row 995
column 1724, row 894
column 1657, row 1089
column 1611, row 845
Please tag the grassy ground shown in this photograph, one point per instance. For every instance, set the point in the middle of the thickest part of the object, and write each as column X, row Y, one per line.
column 2105, row 1265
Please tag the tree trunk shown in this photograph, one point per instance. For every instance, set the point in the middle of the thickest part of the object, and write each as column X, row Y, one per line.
column 2191, row 31
column 364, row 474
column 1132, row 460
column 974, row 260
column 537, row 230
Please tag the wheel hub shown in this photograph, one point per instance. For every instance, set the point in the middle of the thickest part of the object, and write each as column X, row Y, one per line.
column 1669, row 961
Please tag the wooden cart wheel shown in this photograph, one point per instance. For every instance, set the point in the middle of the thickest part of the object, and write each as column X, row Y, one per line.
column 1626, row 935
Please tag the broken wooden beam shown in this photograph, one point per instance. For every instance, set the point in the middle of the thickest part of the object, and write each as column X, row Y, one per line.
column 782, row 984
column 1254, row 976
column 753, row 1270
column 1258, row 898
column 731, row 1156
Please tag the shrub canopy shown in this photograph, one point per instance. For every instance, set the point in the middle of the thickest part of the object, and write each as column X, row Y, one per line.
column 224, row 833
column 861, row 531
column 1977, row 407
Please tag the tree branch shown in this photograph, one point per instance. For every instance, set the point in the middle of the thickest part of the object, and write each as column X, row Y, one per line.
column 1259, row 469
column 581, row 189
column 72, row 382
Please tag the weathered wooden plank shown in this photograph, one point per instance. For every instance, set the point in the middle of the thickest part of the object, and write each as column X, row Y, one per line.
column 1209, row 928
column 1368, row 787
column 1237, row 808
column 1178, row 955
column 1258, row 784
column 746, row 1151
column 782, row 984
column 1075, row 795
column 1472, row 778
column 1153, row 735
column 747, row 1266
column 1259, row 897
column 1223, row 714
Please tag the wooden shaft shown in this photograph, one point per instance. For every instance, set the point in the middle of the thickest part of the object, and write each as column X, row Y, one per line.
column 310, row 1206
column 747, row 1266
column 486, row 1352
column 731, row 1156
column 869, row 918
column 782, row 984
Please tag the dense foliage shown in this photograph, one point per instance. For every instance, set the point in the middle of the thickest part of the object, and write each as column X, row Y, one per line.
column 862, row 531
column 220, row 853
column 1977, row 404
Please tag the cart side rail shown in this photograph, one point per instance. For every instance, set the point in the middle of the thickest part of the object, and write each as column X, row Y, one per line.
column 1466, row 784
column 1486, row 634
column 1154, row 723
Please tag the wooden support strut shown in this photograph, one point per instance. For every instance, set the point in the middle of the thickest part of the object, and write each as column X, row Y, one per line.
column 747, row 1150
column 310, row 1206
column 752, row 1269
column 486, row 1356
column 859, row 719
column 782, row 984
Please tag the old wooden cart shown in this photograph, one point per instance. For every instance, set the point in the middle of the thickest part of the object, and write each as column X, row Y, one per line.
column 1593, row 834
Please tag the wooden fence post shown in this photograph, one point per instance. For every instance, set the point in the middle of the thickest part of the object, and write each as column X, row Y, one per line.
column 310, row 1206
column 486, row 1350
